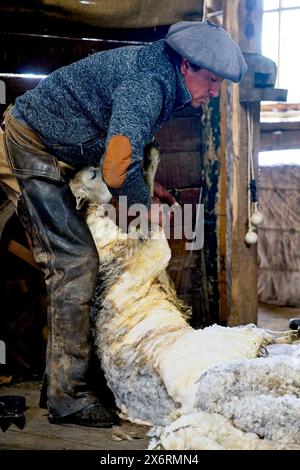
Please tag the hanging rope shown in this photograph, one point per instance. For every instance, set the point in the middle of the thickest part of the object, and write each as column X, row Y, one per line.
column 249, row 156
column 255, row 218
column 204, row 10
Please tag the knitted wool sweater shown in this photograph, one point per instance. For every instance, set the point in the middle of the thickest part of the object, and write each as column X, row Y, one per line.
column 130, row 91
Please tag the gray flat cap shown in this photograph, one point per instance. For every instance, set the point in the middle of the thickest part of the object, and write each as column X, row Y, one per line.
column 209, row 46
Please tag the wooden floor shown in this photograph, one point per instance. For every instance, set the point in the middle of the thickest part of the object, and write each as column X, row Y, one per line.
column 272, row 317
column 39, row 434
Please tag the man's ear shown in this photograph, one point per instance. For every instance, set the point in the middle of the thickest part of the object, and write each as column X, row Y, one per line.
column 184, row 66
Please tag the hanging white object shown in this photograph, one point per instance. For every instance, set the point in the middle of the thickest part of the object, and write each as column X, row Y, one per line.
column 251, row 237
column 257, row 218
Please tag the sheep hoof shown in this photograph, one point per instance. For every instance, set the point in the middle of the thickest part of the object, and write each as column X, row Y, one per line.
column 284, row 337
column 294, row 324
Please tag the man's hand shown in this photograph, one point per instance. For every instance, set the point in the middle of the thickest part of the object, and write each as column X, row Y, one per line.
column 155, row 214
column 162, row 194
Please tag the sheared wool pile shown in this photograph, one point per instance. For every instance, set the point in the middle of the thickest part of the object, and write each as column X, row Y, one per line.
column 205, row 431
column 242, row 403
column 160, row 369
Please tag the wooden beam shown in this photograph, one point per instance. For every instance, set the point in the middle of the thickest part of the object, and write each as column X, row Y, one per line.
column 238, row 267
column 246, row 25
column 280, row 126
column 33, row 53
column 7, row 209
column 209, row 259
column 279, row 135
column 279, row 140
column 24, row 253
column 115, row 18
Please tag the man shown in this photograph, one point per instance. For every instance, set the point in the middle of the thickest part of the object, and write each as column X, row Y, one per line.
column 102, row 110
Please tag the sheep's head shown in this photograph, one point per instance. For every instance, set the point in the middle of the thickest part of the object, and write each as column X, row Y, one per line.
column 88, row 185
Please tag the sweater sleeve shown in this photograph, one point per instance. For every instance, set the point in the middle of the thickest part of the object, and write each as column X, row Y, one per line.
column 135, row 111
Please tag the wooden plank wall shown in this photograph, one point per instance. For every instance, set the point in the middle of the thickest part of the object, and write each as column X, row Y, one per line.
column 180, row 166
column 180, row 169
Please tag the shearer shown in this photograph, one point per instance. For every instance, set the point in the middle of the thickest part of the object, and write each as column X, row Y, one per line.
column 100, row 111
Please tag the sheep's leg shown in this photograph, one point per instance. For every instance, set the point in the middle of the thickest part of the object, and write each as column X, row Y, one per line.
column 283, row 337
column 152, row 156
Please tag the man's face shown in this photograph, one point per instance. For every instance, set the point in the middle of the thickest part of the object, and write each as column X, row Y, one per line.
column 202, row 84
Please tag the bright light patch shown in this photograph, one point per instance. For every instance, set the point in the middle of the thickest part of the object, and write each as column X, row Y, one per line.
column 279, row 157
column 22, row 75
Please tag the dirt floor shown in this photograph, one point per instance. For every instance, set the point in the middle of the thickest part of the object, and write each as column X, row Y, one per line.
column 39, row 434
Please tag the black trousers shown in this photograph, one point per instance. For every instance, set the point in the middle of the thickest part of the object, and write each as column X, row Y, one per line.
column 64, row 249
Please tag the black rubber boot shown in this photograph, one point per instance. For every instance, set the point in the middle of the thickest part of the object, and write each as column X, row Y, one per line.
column 64, row 249
column 294, row 323
column 95, row 416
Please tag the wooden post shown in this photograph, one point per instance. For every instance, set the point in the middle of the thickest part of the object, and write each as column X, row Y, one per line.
column 238, row 264
column 209, row 256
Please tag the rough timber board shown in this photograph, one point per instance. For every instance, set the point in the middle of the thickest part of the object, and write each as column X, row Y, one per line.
column 179, row 170
column 39, row 434
column 240, row 273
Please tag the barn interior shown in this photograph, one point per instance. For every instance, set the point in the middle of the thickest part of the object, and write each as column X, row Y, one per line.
column 250, row 132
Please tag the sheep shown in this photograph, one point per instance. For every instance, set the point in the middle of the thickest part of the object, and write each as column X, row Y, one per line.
column 88, row 184
column 158, row 367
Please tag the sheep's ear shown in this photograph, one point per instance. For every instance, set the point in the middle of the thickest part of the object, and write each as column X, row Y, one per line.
column 79, row 202
column 80, row 197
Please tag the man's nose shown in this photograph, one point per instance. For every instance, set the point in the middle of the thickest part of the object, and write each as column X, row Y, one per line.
column 214, row 91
